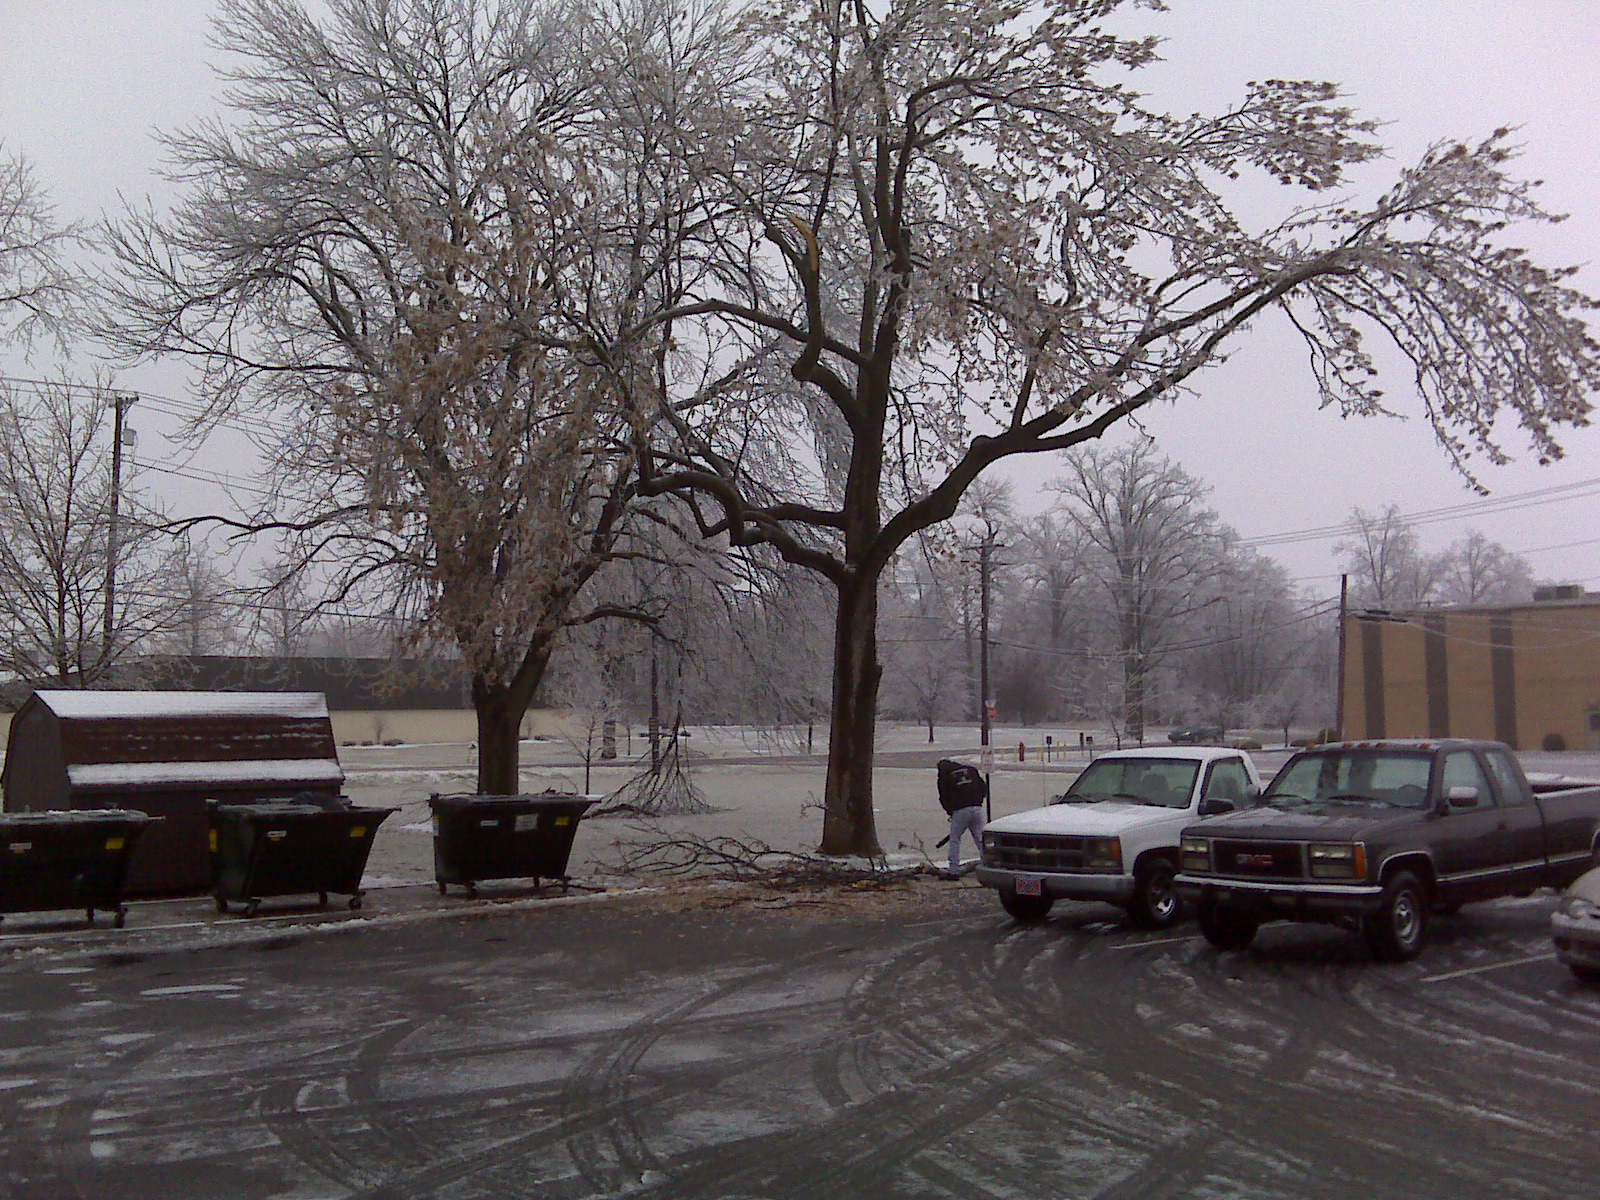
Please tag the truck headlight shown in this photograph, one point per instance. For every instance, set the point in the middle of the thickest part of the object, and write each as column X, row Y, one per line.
column 1338, row 860
column 1196, row 854
column 1102, row 854
column 988, row 841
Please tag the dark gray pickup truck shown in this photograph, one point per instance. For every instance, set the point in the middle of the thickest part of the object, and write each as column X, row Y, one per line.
column 1377, row 835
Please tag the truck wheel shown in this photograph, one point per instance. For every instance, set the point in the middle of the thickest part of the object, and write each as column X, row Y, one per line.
column 1026, row 908
column 1225, row 929
column 1397, row 930
column 1156, row 903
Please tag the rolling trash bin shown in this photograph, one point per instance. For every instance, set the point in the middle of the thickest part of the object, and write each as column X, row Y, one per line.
column 289, row 847
column 477, row 838
column 75, row 859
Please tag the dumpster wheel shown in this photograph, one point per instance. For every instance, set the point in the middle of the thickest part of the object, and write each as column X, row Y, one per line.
column 121, row 918
column 252, row 907
column 355, row 901
column 222, row 904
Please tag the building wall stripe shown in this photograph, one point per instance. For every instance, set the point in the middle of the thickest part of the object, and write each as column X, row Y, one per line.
column 1433, row 653
column 1372, row 677
column 1503, row 676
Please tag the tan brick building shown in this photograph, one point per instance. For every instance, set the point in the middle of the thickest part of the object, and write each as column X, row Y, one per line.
column 1525, row 674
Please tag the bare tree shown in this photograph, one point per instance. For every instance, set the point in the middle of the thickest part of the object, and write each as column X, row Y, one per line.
column 1156, row 551
column 1478, row 570
column 924, row 677
column 204, row 622
column 58, row 542
column 949, row 233
column 1245, row 640
column 1387, row 563
column 37, row 288
column 409, row 238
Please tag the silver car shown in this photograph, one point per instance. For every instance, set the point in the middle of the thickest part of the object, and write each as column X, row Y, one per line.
column 1575, row 925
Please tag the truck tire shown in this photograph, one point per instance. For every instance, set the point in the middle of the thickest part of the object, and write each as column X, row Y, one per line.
column 1397, row 931
column 1226, row 929
column 1155, row 903
column 1025, row 908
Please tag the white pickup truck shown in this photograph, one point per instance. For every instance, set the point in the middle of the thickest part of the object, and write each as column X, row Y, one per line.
column 1113, row 835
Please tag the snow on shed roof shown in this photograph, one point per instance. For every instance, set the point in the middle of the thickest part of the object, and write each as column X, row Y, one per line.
column 157, row 774
column 69, row 703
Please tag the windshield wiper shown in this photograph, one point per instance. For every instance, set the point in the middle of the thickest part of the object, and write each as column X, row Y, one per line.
column 1356, row 798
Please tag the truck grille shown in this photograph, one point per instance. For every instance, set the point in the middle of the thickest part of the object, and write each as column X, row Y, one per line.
column 1266, row 860
column 1036, row 852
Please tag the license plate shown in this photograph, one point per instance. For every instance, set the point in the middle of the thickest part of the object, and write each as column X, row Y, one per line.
column 1029, row 885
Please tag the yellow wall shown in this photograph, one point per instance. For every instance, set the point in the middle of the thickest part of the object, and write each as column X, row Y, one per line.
column 1558, row 650
column 1555, row 660
column 1470, row 668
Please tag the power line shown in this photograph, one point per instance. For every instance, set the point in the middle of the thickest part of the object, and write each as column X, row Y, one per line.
column 1578, row 490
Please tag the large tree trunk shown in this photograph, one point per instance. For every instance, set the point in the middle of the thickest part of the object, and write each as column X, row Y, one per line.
column 499, row 735
column 500, row 708
column 848, row 826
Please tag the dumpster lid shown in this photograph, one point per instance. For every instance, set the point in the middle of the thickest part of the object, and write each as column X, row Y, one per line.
column 524, row 801
column 298, row 809
column 76, row 816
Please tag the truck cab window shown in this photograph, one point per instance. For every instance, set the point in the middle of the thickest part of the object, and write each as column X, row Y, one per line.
column 1509, row 783
column 1228, row 781
column 1461, row 769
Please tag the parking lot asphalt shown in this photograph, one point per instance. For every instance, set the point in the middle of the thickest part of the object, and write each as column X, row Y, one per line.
column 716, row 1042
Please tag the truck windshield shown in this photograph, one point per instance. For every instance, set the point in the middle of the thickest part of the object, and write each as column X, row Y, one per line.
column 1359, row 776
column 1164, row 782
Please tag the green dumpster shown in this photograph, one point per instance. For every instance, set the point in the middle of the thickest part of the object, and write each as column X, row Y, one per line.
column 478, row 838
column 76, row 859
column 289, row 847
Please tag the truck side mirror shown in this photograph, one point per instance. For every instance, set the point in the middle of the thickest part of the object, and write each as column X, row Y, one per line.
column 1252, row 792
column 1213, row 806
column 1463, row 796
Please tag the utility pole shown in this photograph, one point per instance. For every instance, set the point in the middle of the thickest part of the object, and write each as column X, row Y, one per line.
column 1338, row 699
column 984, row 550
column 119, row 406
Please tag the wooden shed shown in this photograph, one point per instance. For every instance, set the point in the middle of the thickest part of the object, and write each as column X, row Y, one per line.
column 166, row 754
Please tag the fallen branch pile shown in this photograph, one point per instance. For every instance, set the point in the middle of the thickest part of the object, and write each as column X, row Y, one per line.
column 735, row 860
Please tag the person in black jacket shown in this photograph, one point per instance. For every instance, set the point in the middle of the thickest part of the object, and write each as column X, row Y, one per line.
column 962, row 793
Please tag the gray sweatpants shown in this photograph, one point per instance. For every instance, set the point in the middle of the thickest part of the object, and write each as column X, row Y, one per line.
column 965, row 820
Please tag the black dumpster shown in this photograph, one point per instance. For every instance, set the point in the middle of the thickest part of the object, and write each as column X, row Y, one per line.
column 286, row 847
column 503, row 837
column 68, row 860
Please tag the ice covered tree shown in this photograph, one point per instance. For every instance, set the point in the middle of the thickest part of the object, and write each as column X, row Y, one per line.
column 1479, row 570
column 37, row 287
column 946, row 233
column 404, row 241
column 58, row 537
column 1155, row 552
column 1387, row 563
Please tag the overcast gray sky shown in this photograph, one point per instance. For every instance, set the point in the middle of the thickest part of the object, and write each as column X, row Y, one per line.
column 83, row 83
